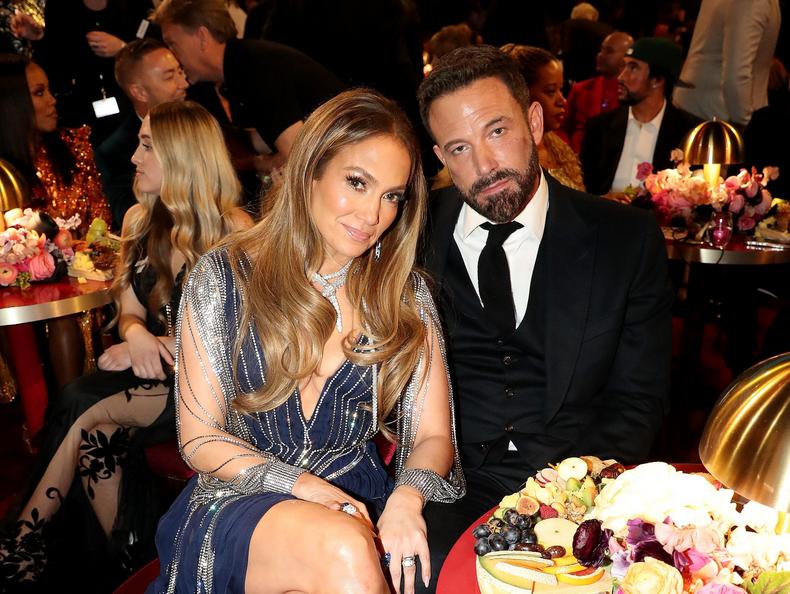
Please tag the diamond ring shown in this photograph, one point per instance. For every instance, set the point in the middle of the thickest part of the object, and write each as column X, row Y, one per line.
column 385, row 560
column 348, row 508
column 408, row 561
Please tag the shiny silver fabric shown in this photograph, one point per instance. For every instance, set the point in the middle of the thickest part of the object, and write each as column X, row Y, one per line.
column 204, row 334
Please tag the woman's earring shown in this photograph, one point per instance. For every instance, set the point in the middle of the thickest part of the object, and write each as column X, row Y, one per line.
column 377, row 251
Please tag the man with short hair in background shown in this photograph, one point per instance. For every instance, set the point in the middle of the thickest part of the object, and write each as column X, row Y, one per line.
column 149, row 74
column 596, row 95
column 270, row 87
column 645, row 128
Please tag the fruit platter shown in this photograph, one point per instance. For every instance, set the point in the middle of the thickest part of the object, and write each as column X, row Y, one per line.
column 586, row 526
column 96, row 257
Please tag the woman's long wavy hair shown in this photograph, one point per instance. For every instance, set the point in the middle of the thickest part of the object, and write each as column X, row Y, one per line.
column 285, row 248
column 192, row 211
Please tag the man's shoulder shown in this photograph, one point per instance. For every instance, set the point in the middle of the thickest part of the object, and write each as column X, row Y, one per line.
column 609, row 117
column 599, row 210
column 117, row 144
column 681, row 116
column 584, row 86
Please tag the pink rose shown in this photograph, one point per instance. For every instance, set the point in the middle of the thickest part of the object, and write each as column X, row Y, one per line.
column 770, row 173
column 714, row 588
column 746, row 223
column 736, row 203
column 643, row 170
column 41, row 266
column 751, row 189
column 732, row 183
column 8, row 274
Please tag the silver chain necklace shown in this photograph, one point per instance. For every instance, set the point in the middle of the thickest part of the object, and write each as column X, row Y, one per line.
column 330, row 283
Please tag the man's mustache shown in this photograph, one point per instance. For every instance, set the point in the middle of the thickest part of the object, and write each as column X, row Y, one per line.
column 497, row 176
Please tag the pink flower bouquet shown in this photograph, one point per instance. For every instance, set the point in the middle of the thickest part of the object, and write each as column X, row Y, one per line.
column 29, row 252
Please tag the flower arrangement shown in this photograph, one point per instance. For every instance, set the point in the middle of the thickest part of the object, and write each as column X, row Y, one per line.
column 681, row 195
column 667, row 532
column 34, row 247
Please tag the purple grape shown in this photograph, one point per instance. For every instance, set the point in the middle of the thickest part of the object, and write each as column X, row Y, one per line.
column 482, row 547
column 497, row 542
column 511, row 534
column 482, row 531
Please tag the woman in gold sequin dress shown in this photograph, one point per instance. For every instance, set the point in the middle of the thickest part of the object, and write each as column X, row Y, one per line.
column 543, row 73
column 61, row 176
column 57, row 163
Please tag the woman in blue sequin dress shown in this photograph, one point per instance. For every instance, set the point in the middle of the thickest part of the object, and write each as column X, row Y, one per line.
column 300, row 340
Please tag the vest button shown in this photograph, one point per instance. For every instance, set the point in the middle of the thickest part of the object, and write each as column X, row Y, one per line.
column 500, row 342
column 509, row 392
column 507, row 360
column 509, row 428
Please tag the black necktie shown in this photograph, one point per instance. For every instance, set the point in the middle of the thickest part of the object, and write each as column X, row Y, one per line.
column 493, row 277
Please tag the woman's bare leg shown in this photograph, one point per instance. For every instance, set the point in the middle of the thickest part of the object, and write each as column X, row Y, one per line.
column 339, row 556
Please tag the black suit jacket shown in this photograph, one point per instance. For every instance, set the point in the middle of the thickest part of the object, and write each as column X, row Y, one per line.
column 604, row 137
column 114, row 162
column 608, row 343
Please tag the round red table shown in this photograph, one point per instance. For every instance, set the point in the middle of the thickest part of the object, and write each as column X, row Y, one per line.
column 458, row 571
column 42, row 301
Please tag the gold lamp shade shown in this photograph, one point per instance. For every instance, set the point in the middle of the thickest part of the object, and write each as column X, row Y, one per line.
column 13, row 189
column 714, row 141
column 746, row 442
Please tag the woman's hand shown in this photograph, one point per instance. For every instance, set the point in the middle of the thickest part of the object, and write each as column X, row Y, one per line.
column 403, row 534
column 146, row 353
column 115, row 358
column 309, row 487
column 103, row 44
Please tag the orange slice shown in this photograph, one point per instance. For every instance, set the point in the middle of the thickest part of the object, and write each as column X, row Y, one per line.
column 581, row 578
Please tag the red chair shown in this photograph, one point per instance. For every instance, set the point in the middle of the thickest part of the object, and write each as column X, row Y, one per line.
column 140, row 580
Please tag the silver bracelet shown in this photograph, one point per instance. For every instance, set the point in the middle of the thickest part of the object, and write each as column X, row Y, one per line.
column 280, row 477
column 427, row 482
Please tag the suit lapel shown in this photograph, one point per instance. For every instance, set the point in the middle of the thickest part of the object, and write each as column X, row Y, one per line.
column 441, row 225
column 570, row 249
column 667, row 134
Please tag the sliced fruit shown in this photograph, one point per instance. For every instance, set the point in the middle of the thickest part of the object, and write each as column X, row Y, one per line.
column 559, row 507
column 543, row 495
column 524, row 556
column 582, row 578
column 573, row 484
column 556, row 531
column 509, row 500
column 499, row 512
column 558, row 569
column 566, row 560
column 527, row 505
column 572, row 468
column 515, row 573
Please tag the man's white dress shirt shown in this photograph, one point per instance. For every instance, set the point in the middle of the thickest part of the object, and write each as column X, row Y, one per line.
column 638, row 147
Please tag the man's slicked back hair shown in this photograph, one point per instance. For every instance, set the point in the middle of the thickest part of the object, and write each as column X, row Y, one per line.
column 466, row 65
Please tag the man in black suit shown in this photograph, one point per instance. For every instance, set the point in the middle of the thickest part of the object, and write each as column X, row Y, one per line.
column 556, row 303
column 149, row 74
column 645, row 128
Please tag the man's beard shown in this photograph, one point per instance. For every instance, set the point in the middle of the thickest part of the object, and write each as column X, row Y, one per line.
column 629, row 97
column 505, row 205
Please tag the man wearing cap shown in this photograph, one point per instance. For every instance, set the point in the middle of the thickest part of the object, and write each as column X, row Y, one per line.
column 646, row 126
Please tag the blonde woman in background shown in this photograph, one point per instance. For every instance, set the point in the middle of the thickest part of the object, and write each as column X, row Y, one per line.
column 187, row 201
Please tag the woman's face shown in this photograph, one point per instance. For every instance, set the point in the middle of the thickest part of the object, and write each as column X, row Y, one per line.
column 148, row 175
column 357, row 197
column 45, row 114
column 547, row 90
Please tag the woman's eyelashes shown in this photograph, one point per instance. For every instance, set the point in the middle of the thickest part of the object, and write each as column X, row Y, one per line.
column 359, row 184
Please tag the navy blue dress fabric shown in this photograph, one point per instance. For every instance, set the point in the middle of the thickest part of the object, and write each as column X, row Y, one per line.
column 342, row 419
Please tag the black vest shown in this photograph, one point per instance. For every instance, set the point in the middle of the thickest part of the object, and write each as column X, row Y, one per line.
column 499, row 382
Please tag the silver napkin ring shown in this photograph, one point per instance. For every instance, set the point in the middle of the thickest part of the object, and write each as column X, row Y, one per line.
column 348, row 508
column 408, row 561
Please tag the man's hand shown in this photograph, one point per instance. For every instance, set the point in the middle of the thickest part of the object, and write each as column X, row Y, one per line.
column 103, row 44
